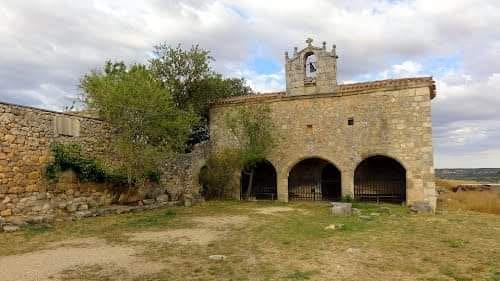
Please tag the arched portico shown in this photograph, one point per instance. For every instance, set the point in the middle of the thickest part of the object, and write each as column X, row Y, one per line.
column 314, row 179
column 380, row 178
column 259, row 181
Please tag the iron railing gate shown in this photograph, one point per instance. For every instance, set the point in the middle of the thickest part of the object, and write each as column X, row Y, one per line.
column 261, row 192
column 311, row 192
column 386, row 190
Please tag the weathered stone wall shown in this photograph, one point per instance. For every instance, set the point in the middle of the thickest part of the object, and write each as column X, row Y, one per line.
column 181, row 174
column 325, row 80
column 391, row 118
column 25, row 137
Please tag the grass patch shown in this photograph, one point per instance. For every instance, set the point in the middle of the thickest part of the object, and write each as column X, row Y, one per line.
column 301, row 275
column 151, row 220
column 451, row 271
column 456, row 243
column 393, row 244
column 37, row 229
column 495, row 275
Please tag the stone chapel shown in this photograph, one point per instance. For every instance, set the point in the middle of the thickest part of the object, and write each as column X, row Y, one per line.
column 369, row 141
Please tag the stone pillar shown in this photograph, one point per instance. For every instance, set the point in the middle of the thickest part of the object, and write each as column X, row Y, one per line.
column 348, row 182
column 235, row 183
column 282, row 187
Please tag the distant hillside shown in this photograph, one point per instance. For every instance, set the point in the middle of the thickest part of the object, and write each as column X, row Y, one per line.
column 483, row 175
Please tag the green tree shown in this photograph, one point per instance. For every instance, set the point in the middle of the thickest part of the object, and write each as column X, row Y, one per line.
column 189, row 77
column 147, row 125
column 252, row 127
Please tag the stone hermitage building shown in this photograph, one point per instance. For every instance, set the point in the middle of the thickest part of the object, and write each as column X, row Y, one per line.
column 369, row 140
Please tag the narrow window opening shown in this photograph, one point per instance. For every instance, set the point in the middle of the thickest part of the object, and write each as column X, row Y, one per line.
column 350, row 121
column 309, row 126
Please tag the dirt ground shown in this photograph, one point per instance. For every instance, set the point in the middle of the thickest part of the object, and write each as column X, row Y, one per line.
column 259, row 241
column 48, row 263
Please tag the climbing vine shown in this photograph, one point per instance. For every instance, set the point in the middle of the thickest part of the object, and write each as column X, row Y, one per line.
column 87, row 168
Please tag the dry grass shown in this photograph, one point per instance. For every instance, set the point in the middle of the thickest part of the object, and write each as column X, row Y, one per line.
column 478, row 201
column 393, row 244
column 449, row 184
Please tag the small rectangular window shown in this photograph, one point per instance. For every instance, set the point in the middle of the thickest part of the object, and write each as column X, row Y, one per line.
column 350, row 121
column 309, row 126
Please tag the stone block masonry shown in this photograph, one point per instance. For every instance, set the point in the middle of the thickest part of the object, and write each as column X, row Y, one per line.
column 371, row 140
column 390, row 118
column 26, row 134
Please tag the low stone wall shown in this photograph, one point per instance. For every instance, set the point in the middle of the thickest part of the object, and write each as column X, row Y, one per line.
column 26, row 134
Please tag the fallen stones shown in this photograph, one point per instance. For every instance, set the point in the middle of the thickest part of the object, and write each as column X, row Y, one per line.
column 421, row 208
column 334, row 226
column 162, row 198
column 352, row 250
column 10, row 228
column 341, row 209
column 40, row 219
column 217, row 257
column 148, row 201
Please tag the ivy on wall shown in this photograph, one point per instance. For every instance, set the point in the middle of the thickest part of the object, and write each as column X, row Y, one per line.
column 87, row 168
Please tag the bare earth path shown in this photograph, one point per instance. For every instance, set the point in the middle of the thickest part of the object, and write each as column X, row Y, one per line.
column 45, row 264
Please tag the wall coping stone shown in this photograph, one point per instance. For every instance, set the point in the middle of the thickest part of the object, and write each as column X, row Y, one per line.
column 48, row 110
column 341, row 90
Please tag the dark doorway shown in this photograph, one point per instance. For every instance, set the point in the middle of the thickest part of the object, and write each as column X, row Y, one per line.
column 380, row 178
column 330, row 183
column 264, row 182
column 314, row 179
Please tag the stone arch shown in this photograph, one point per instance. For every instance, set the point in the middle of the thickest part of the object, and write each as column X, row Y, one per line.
column 314, row 178
column 310, row 65
column 380, row 178
column 290, row 164
column 264, row 181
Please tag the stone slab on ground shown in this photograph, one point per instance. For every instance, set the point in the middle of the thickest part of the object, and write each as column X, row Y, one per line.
column 341, row 209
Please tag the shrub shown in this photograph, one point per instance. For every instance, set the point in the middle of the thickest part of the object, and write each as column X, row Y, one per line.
column 217, row 174
column 86, row 168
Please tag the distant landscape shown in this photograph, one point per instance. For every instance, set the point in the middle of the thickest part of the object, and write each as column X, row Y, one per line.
column 487, row 175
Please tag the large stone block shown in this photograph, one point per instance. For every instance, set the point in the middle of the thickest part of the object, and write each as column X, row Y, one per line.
column 341, row 209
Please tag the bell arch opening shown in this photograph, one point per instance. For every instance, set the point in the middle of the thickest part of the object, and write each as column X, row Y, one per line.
column 310, row 66
column 380, row 178
column 259, row 182
column 314, row 179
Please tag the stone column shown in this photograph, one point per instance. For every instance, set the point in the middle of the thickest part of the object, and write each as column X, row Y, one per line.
column 348, row 182
column 236, row 185
column 282, row 188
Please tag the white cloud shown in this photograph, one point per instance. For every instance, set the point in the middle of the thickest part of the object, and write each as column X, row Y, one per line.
column 45, row 47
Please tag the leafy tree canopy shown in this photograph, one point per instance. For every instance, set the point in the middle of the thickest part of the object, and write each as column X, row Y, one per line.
column 189, row 76
column 142, row 113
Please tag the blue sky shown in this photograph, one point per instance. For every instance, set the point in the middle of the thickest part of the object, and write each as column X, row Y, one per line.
column 46, row 46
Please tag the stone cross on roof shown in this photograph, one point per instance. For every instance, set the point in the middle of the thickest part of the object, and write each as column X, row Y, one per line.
column 309, row 41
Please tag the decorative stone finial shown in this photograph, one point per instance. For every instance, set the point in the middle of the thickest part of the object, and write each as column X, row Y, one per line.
column 334, row 51
column 295, row 51
column 324, row 45
column 309, row 42
column 286, row 56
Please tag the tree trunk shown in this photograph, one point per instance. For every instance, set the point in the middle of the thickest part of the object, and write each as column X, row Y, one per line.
column 250, row 184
